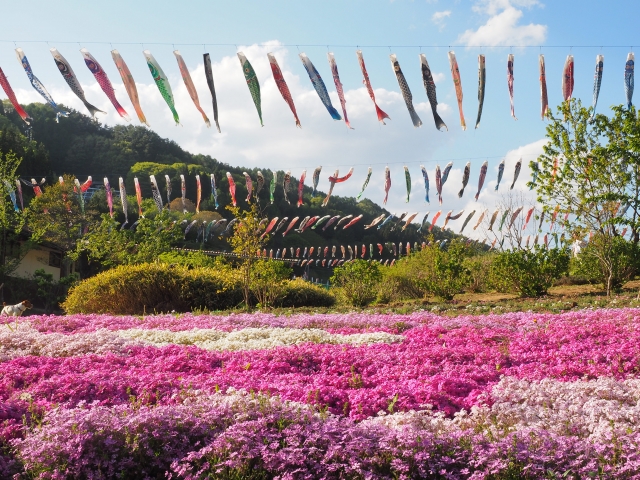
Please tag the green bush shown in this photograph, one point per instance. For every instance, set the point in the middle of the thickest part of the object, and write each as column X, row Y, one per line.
column 135, row 289
column 267, row 281
column 479, row 267
column 357, row 282
column 298, row 293
column 397, row 285
column 608, row 260
column 529, row 273
column 437, row 272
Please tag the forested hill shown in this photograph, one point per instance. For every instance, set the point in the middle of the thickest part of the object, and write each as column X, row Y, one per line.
column 80, row 146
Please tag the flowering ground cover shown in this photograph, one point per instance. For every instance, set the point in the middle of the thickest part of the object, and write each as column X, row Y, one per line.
column 357, row 395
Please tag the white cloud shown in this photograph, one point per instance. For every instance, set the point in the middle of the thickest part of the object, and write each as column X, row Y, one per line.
column 503, row 27
column 439, row 17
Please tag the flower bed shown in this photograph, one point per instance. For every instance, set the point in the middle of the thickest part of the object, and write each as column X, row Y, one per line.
column 359, row 396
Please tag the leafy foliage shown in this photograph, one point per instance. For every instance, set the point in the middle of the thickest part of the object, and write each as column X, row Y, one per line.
column 109, row 245
column 268, row 280
column 529, row 273
column 357, row 281
column 608, row 261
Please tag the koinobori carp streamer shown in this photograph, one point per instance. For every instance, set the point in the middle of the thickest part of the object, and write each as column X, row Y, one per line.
column 162, row 82
column 103, row 80
column 191, row 88
column 129, row 85
column 404, row 89
column 37, row 84
column 281, row 83
column 336, row 80
column 70, row 77
column 319, row 86
column 381, row 115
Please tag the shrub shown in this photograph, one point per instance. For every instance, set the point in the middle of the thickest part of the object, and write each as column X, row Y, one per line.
column 134, row 289
column 357, row 282
column 268, row 280
column 298, row 293
column 397, row 285
column 608, row 260
column 438, row 272
column 479, row 267
column 529, row 273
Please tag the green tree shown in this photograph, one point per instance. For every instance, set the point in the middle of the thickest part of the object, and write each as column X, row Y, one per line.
column 57, row 216
column 109, row 245
column 245, row 241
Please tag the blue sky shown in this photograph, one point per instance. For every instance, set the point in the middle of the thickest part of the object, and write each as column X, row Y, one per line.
column 555, row 29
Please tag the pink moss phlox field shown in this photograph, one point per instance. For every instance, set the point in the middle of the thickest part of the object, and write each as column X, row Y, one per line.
column 511, row 367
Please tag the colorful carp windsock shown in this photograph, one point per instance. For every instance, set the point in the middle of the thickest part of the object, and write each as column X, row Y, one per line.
column 270, row 226
column 109, row 195
column 514, row 216
column 320, row 221
column 162, row 82
column 529, row 214
column 198, row 193
column 387, row 184
column 80, row 194
column 272, row 185
column 465, row 178
column 330, row 222
column 510, row 83
column 434, row 220
column 183, row 190
column 282, row 86
column 352, row 222
column 232, row 189
column 12, row 195
column 167, row 181
column 103, row 80
column 336, row 80
column 457, row 82
column 500, row 173
column 252, row 83
column 544, row 98
column 136, row 183
column 260, row 184
column 404, row 89
column 37, row 85
column 439, row 183
column 479, row 220
column 446, row 172
column 331, row 185
column 467, row 220
column 493, row 219
column 408, row 220
column 628, row 79
column 424, row 219
column 425, row 176
column 381, row 115
column 280, row 225
column 597, row 80
column 407, row 178
column 214, row 191
column 291, row 224
column 129, row 84
column 516, row 173
column 208, row 73
column 430, row 88
column 366, row 182
column 316, row 179
column 343, row 220
column 375, row 222
column 286, row 181
column 12, row 98
column 123, row 201
column 483, row 174
column 191, row 88
column 70, row 77
column 249, row 185
column 482, row 79
column 319, row 86
column 301, row 187
column 567, row 79
column 155, row 192
column 534, row 175
column 504, row 217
